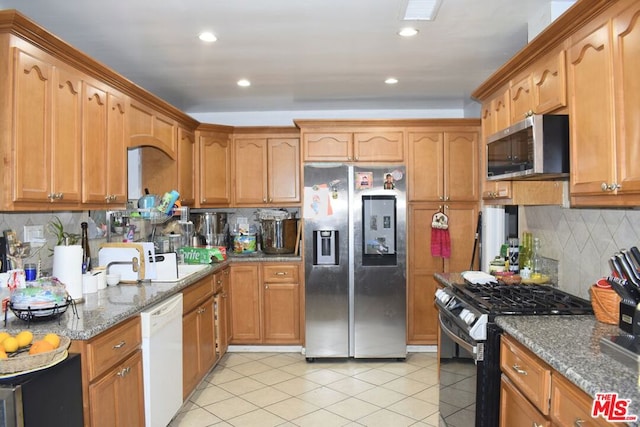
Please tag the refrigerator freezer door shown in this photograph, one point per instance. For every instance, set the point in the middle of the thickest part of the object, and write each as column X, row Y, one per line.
column 326, row 208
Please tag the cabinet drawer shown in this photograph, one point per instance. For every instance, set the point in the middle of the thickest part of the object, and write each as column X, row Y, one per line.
column 195, row 293
column 530, row 375
column 280, row 273
column 113, row 346
column 571, row 406
column 516, row 410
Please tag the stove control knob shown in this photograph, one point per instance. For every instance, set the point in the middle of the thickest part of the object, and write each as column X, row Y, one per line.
column 463, row 313
column 469, row 318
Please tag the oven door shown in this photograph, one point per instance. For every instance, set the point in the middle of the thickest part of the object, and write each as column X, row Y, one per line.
column 458, row 371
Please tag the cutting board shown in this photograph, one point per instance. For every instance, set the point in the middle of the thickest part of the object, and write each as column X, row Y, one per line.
column 166, row 266
column 142, row 254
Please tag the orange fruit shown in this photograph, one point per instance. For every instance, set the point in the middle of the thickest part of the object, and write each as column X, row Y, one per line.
column 40, row 346
column 24, row 338
column 3, row 355
column 53, row 339
column 10, row 344
column 4, row 335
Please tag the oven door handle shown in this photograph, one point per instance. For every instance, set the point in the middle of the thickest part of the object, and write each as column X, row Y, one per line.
column 470, row 348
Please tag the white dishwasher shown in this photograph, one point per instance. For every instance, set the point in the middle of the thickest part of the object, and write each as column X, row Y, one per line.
column 162, row 361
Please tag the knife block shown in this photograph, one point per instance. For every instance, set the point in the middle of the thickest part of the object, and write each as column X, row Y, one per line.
column 629, row 318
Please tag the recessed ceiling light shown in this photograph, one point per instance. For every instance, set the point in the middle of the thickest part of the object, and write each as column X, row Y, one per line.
column 207, row 37
column 391, row 81
column 421, row 10
column 244, row 83
column 408, row 32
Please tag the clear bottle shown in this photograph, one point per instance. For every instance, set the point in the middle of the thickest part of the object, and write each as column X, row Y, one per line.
column 526, row 251
column 86, row 251
column 535, row 255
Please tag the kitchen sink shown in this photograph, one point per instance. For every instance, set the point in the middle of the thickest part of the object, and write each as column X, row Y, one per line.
column 184, row 271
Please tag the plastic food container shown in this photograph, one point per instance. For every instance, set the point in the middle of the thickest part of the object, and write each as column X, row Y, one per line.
column 244, row 243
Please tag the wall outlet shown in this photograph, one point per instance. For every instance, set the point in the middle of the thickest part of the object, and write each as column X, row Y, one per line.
column 34, row 234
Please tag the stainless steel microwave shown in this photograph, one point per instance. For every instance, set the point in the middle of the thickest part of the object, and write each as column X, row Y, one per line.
column 534, row 148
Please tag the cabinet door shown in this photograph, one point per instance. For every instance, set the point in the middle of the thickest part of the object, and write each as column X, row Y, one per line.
column 515, row 409
column 549, row 83
column 461, row 160
column 571, row 406
column 426, row 166
column 32, row 137
column 116, row 149
column 207, row 336
column 500, row 111
column 149, row 128
column 245, row 304
column 250, row 171
column 94, row 144
column 463, row 221
column 282, row 313
column 327, row 146
column 66, row 144
column 592, row 132
column 521, row 98
column 283, row 159
column 190, row 367
column 215, row 168
column 422, row 314
column 626, row 33
column 186, row 166
column 378, row 146
column 117, row 399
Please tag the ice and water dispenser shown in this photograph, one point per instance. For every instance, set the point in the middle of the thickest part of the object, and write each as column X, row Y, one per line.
column 325, row 247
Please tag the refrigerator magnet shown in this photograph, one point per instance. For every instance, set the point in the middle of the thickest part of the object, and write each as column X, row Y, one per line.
column 364, row 180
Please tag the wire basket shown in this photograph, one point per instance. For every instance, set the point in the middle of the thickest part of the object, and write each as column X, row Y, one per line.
column 606, row 304
column 22, row 362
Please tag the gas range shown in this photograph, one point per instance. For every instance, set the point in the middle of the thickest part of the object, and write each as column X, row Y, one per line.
column 472, row 306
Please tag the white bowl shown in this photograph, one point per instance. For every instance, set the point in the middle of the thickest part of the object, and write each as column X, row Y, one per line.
column 113, row 279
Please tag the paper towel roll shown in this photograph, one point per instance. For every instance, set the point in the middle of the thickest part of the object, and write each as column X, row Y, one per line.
column 67, row 267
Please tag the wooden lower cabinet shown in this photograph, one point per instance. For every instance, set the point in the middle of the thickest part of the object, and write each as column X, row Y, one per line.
column 221, row 301
column 265, row 301
column 112, row 385
column 198, row 334
column 533, row 394
column 117, row 398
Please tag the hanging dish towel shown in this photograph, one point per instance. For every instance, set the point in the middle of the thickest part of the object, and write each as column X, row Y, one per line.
column 440, row 239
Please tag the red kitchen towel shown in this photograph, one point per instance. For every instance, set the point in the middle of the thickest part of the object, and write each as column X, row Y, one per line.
column 440, row 243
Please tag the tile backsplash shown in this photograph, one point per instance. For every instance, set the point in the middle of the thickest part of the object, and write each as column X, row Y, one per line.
column 582, row 240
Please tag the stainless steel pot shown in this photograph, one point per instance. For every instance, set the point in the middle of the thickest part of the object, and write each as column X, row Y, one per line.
column 209, row 225
column 279, row 235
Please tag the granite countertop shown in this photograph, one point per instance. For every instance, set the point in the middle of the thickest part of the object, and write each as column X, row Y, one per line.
column 571, row 345
column 106, row 308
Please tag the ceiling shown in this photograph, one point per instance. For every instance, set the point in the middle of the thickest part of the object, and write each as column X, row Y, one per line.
column 298, row 54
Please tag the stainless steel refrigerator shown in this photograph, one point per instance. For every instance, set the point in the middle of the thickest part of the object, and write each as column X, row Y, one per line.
column 355, row 261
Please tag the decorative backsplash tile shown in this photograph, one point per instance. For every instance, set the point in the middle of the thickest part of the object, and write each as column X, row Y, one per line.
column 582, row 240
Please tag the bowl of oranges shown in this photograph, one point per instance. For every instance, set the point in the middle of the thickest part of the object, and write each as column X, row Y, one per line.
column 27, row 352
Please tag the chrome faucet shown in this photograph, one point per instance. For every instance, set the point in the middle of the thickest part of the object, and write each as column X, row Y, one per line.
column 135, row 263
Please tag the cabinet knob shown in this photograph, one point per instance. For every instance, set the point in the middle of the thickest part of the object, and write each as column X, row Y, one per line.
column 610, row 187
column 124, row 372
column 266, row 286
column 578, row 422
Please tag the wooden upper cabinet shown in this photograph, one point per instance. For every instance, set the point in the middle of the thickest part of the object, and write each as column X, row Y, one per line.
column 426, row 166
column 378, row 146
column 104, row 152
column 549, row 83
column 354, row 143
column 462, row 160
column 520, row 98
column 626, row 43
column 593, row 140
column 500, row 111
column 214, row 159
column 47, row 137
column 150, row 128
column 327, row 146
column 187, row 170
column 266, row 170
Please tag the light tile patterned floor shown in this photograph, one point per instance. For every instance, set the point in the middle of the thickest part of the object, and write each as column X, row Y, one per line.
column 282, row 389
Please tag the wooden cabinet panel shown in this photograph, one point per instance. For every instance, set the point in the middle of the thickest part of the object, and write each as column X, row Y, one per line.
column 114, row 345
column 245, row 304
column 221, row 301
column 591, row 110
column 250, row 172
column 281, row 312
column 378, row 146
column 461, row 159
column 116, row 149
column 327, row 146
column 515, row 409
column 520, row 98
column 571, row 406
column 187, row 170
column 283, row 169
column 463, row 220
column 94, row 144
column 500, row 111
column 214, row 154
column 190, row 367
column 529, row 374
column 150, row 128
column 626, row 42
column 426, row 166
column 549, row 83
column 117, row 399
